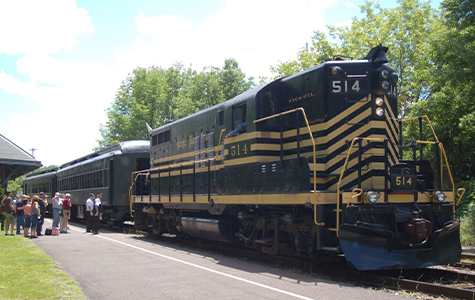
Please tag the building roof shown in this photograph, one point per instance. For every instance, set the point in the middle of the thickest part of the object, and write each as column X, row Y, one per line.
column 15, row 158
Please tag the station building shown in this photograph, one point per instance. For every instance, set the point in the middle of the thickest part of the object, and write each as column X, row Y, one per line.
column 14, row 161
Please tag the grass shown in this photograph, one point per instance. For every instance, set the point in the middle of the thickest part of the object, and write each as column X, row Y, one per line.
column 26, row 272
column 467, row 230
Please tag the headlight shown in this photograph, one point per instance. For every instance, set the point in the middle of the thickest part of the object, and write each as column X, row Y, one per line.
column 385, row 85
column 385, row 74
column 335, row 70
column 373, row 196
column 379, row 112
column 440, row 196
column 379, row 101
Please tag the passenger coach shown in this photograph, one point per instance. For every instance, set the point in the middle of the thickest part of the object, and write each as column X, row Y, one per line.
column 41, row 180
column 108, row 172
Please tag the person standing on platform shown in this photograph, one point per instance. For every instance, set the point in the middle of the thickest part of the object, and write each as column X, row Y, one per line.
column 35, row 214
column 27, row 212
column 9, row 215
column 56, row 209
column 20, row 216
column 66, row 213
column 89, row 208
column 97, row 213
column 42, row 205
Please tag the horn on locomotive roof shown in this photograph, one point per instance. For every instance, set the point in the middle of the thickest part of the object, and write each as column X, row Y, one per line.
column 149, row 128
column 377, row 55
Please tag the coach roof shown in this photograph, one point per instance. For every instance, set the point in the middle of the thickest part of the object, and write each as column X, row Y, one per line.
column 126, row 147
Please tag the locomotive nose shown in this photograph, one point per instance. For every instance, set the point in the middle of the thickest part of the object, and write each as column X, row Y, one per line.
column 418, row 230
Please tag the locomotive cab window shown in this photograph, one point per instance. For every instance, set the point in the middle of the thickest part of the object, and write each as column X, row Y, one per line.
column 239, row 117
column 163, row 137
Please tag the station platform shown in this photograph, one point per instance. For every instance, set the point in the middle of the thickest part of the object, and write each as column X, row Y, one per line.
column 114, row 265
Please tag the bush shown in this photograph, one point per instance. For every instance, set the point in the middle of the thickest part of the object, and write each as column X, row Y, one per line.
column 468, row 226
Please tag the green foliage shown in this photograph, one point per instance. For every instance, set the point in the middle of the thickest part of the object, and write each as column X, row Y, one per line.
column 434, row 55
column 406, row 29
column 319, row 50
column 15, row 186
column 158, row 96
column 468, row 226
column 452, row 103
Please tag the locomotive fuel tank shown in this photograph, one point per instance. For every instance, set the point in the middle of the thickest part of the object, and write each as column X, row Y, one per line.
column 209, row 229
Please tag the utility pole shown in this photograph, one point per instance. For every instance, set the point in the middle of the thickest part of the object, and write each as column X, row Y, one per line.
column 33, row 151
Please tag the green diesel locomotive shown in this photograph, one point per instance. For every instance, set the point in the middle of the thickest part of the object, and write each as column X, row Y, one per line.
column 306, row 164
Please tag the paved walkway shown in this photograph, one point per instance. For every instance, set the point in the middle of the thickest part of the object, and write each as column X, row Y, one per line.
column 126, row 266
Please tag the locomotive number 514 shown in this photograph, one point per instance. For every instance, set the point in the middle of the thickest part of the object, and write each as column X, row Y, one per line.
column 345, row 86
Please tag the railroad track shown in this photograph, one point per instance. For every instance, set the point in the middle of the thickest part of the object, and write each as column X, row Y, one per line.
column 465, row 265
column 468, row 256
column 451, row 282
column 467, row 262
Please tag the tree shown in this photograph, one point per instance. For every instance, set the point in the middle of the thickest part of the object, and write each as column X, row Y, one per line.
column 232, row 80
column 452, row 102
column 15, row 186
column 157, row 96
column 434, row 54
column 405, row 29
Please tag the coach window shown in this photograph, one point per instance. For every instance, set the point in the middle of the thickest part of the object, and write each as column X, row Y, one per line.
column 239, row 117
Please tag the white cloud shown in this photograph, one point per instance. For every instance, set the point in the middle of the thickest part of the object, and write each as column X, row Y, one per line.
column 69, row 97
column 257, row 33
column 48, row 26
column 64, row 118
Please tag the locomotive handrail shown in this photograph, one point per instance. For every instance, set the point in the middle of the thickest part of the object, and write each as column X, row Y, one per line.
column 148, row 171
column 342, row 173
column 442, row 151
column 444, row 156
column 314, row 154
column 133, row 179
column 428, row 122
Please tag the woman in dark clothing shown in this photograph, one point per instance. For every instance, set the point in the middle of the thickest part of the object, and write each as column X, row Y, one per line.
column 9, row 215
column 20, row 216
column 42, row 205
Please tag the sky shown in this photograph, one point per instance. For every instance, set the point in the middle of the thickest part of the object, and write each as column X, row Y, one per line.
column 61, row 61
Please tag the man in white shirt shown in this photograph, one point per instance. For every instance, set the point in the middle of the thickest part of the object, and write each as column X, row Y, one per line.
column 89, row 211
column 96, row 214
